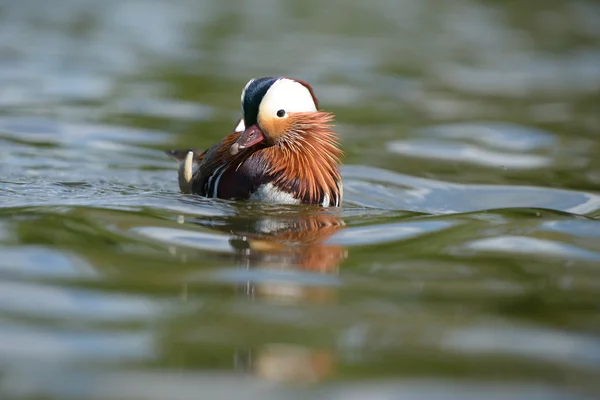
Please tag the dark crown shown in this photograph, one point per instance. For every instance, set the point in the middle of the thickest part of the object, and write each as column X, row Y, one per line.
column 253, row 96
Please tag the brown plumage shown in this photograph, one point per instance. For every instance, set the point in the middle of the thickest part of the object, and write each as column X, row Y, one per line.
column 306, row 160
column 285, row 150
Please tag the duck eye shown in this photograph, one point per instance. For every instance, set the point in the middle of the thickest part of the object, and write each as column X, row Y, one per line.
column 281, row 113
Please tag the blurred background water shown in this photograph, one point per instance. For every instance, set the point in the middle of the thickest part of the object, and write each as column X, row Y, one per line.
column 464, row 264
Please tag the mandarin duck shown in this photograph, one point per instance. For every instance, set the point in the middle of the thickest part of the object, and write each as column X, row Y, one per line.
column 283, row 150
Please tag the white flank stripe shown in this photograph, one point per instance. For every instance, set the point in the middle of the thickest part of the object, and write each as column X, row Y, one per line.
column 212, row 177
column 216, row 187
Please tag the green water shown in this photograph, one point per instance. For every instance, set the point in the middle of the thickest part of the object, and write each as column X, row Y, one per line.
column 464, row 264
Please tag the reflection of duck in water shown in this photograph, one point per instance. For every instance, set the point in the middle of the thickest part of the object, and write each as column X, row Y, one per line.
column 281, row 245
column 286, row 362
column 284, row 256
column 282, row 151
column 299, row 240
column 284, row 241
column 274, row 251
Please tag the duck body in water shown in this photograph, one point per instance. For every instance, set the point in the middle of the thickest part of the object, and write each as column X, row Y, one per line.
column 283, row 150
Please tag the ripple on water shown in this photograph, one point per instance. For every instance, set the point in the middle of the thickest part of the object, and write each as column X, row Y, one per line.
column 164, row 108
column 76, row 87
column 381, row 233
column 582, row 228
column 43, row 262
column 24, row 343
column 560, row 347
column 68, row 303
column 19, row 91
column 517, row 74
column 533, row 247
column 43, row 130
column 160, row 384
column 373, row 187
column 489, row 144
column 187, row 238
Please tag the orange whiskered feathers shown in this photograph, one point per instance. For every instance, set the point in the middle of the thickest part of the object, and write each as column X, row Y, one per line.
column 305, row 160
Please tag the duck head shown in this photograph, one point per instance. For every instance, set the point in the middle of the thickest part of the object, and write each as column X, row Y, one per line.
column 284, row 127
column 278, row 111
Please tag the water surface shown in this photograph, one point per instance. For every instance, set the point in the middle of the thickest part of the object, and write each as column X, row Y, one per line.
column 465, row 262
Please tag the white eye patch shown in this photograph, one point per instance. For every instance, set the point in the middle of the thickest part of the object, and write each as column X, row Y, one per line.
column 287, row 95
